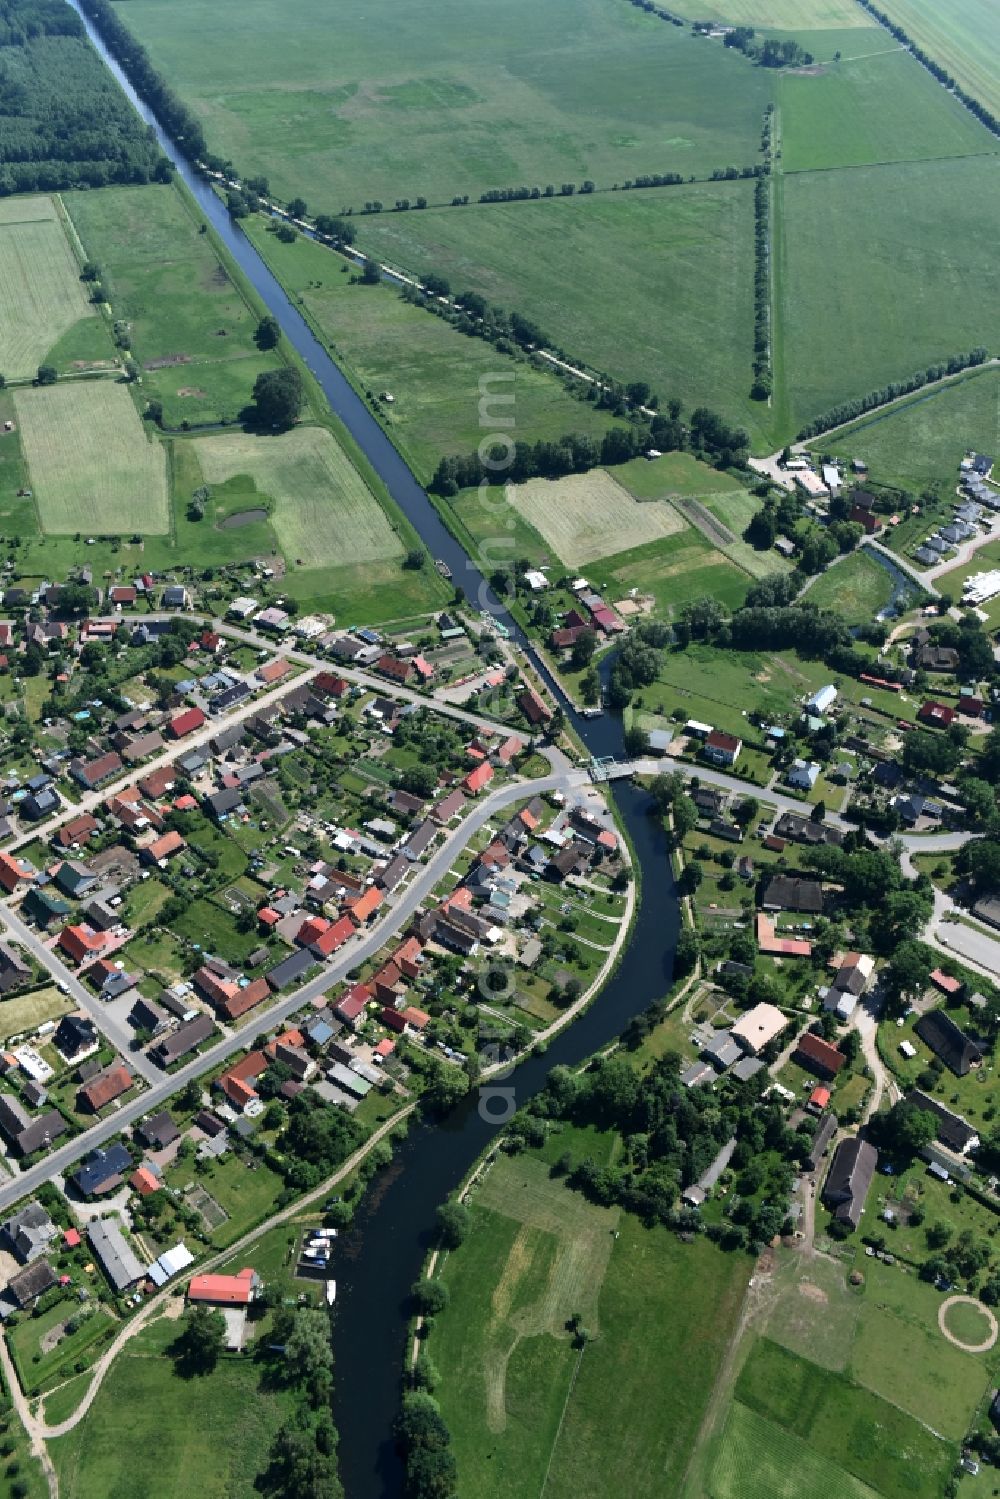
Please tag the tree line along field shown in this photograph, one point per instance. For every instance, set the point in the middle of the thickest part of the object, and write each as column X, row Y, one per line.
column 348, row 106
column 921, row 441
column 190, row 322
column 963, row 38
column 435, row 375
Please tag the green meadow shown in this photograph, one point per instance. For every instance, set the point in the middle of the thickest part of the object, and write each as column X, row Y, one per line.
column 437, row 377
column 883, row 270
column 877, row 108
column 350, row 105
column 653, row 285
column 922, row 441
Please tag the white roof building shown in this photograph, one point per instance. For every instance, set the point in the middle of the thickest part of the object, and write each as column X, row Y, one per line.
column 242, row 608
column 804, row 774
column 536, row 581
column 170, row 1263
column 831, row 477
column 822, row 699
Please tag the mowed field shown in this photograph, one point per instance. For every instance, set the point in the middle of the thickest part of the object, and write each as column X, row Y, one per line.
column 41, row 294
column 324, row 513
column 585, row 517
column 520, row 1402
column 963, row 37
column 757, row 1460
column 437, row 376
column 346, row 105
column 190, row 324
column 875, row 108
column 91, row 465
column 653, row 285
column 923, row 441
column 883, row 270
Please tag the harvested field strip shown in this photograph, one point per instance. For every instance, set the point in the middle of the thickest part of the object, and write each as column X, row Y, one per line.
column 91, row 464
column 41, row 295
column 324, row 512
column 585, row 517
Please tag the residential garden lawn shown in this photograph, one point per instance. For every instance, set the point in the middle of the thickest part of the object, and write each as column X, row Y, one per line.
column 322, row 509
column 151, row 1432
column 436, row 376
column 247, row 1193
column 653, row 284
column 755, row 1459
column 25, row 1342
column 962, row 38
column 882, row 270
column 880, row 108
column 921, row 441
column 917, row 1370
column 347, row 108
column 856, row 588
column 844, row 1423
column 92, row 466
column 190, row 318
column 665, row 1307
column 41, row 294
column 215, row 928
column 26, row 1012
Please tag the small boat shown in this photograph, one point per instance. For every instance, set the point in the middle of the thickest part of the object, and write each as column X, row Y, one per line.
column 442, row 567
column 331, row 1292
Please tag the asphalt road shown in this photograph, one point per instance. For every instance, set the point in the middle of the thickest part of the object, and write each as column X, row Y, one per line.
column 356, row 952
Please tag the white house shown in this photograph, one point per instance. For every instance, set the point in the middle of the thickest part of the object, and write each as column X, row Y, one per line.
column 536, row 581
column 822, row 700
column 804, row 774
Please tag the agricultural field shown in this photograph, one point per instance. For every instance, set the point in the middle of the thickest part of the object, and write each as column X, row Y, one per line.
column 757, row 1460
column 867, row 276
column 537, row 1254
column 962, row 38
column 436, row 376
column 777, row 15
column 169, row 1427
column 188, row 314
column 653, row 285
column 856, row 588
column 91, row 464
column 922, row 441
column 872, row 1440
column 583, row 515
column 348, row 107
column 41, row 294
column 879, row 108
column 323, row 510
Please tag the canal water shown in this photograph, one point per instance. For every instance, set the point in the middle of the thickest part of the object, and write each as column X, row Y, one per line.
column 382, row 1254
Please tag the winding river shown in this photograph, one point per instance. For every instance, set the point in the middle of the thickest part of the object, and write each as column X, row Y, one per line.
column 382, row 1254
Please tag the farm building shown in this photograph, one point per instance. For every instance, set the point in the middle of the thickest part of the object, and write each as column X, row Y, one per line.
column 849, row 1179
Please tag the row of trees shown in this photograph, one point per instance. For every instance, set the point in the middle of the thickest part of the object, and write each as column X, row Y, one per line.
column 975, row 106
column 134, row 62
column 761, row 387
column 846, row 411
column 770, row 53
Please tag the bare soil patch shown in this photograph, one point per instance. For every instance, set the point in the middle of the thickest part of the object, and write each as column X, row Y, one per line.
column 166, row 360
